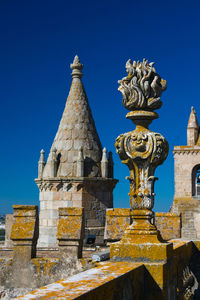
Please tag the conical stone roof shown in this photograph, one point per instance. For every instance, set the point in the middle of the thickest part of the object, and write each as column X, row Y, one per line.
column 77, row 129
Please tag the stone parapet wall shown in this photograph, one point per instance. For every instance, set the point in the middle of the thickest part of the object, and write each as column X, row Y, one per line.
column 108, row 281
column 170, row 280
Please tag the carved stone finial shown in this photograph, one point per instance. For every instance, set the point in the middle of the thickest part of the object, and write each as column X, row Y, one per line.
column 42, row 157
column 141, row 89
column 41, row 163
column 104, row 164
column 76, row 67
column 142, row 150
column 104, row 156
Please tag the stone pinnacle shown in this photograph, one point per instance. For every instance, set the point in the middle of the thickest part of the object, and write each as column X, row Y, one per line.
column 193, row 122
column 76, row 67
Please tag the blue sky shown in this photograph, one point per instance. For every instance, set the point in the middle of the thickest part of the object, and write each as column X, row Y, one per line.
column 38, row 42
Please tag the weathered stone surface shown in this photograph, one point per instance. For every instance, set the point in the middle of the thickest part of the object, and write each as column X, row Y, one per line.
column 24, row 235
column 190, row 215
column 117, row 220
column 70, row 232
column 169, row 225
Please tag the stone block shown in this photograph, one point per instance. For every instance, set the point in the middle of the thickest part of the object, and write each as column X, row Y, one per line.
column 70, row 232
column 76, row 196
column 24, row 233
column 169, row 225
column 77, row 203
column 144, row 253
column 117, row 219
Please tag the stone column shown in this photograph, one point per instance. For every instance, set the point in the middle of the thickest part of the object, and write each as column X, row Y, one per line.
column 70, row 231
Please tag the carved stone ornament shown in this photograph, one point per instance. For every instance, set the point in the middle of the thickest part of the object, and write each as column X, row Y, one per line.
column 142, row 151
column 142, row 87
column 190, row 284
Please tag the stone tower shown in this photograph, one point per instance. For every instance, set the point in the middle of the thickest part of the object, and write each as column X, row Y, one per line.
column 78, row 172
column 187, row 180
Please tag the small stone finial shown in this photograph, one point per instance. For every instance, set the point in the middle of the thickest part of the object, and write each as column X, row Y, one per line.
column 104, row 164
column 53, row 163
column 193, row 122
column 80, row 163
column 42, row 157
column 192, row 128
column 41, row 163
column 76, row 67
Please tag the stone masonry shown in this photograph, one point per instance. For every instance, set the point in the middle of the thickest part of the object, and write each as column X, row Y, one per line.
column 78, row 173
column 186, row 166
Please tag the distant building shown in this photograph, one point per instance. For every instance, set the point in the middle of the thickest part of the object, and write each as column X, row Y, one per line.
column 78, row 172
column 187, row 180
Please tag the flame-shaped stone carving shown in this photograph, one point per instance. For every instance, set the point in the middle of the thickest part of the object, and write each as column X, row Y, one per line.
column 142, row 87
column 141, row 150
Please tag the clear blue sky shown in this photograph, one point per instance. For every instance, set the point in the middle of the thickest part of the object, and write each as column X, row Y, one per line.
column 38, row 42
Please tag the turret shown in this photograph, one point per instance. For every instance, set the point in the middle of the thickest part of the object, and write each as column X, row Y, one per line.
column 76, row 173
